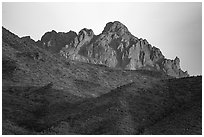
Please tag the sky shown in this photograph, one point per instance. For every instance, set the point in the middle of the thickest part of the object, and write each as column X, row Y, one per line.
column 174, row 28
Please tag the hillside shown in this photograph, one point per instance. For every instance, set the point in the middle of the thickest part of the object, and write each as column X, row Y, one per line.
column 45, row 93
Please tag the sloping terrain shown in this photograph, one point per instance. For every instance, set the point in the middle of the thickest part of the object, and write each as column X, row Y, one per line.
column 44, row 93
column 187, row 118
column 139, row 109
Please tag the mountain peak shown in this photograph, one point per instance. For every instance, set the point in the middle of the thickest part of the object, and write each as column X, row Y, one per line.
column 116, row 27
column 86, row 31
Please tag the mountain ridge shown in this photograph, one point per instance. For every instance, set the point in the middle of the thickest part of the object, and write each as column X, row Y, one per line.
column 115, row 47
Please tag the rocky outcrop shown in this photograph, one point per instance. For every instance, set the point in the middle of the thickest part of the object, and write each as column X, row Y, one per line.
column 172, row 67
column 54, row 42
column 72, row 49
column 114, row 47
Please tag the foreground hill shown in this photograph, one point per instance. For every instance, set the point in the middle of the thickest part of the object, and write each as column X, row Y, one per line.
column 44, row 93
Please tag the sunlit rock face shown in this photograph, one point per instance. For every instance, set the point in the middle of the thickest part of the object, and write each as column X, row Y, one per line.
column 115, row 47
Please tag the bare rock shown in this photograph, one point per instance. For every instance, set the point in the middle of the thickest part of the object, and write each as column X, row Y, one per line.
column 115, row 47
column 54, row 42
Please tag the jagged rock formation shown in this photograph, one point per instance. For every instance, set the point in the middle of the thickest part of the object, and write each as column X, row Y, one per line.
column 115, row 47
column 54, row 42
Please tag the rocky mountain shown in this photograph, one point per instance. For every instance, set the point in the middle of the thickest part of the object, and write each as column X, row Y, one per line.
column 115, row 47
column 44, row 93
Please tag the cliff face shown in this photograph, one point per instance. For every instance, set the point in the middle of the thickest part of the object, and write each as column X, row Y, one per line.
column 114, row 47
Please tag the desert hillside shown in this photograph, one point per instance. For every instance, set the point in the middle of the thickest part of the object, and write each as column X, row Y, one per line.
column 68, row 83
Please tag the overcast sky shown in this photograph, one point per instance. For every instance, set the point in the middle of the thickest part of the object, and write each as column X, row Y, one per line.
column 175, row 28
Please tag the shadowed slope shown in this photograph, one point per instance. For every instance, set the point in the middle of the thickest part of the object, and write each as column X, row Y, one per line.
column 135, row 108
